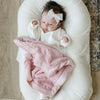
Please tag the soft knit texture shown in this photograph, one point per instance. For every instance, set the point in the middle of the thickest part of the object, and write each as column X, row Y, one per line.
column 46, row 68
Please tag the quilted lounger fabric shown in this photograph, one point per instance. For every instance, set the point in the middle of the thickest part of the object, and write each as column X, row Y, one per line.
column 77, row 25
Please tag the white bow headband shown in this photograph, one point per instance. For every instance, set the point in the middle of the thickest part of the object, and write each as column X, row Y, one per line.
column 57, row 17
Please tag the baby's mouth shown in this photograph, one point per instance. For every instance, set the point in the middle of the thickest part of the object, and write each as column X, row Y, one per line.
column 45, row 30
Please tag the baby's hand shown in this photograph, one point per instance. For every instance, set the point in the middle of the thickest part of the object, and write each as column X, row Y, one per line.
column 64, row 39
column 34, row 23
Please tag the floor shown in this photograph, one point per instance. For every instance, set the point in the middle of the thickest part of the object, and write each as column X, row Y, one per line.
column 96, row 85
column 9, row 82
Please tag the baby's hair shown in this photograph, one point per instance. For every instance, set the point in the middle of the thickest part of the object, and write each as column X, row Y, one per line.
column 57, row 8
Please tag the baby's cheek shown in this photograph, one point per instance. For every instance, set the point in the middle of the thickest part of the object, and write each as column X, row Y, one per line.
column 41, row 26
column 52, row 28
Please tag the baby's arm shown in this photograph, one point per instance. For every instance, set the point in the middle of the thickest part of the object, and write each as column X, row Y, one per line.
column 65, row 40
column 34, row 23
column 34, row 29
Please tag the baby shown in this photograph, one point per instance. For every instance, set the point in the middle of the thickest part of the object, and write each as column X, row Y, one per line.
column 49, row 28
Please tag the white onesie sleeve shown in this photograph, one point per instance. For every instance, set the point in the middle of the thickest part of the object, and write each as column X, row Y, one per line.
column 34, row 30
column 69, row 39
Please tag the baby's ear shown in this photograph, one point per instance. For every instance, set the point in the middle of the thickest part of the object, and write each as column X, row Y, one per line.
column 59, row 24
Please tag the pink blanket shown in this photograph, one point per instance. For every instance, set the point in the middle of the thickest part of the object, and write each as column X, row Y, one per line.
column 46, row 68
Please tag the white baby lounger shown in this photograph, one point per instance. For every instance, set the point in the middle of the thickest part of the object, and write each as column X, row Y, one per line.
column 77, row 25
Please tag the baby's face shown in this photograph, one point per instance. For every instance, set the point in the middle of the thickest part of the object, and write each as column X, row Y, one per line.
column 48, row 25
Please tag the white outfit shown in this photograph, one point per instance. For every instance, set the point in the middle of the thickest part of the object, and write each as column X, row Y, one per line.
column 53, row 38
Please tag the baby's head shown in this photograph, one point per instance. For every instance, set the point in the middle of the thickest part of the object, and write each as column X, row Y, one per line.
column 53, row 16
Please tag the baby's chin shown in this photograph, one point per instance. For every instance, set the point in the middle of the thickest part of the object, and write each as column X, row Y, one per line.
column 45, row 31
